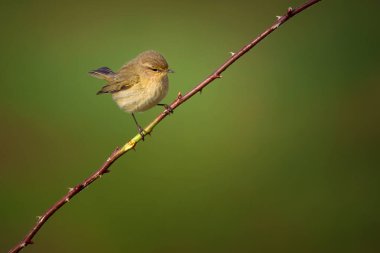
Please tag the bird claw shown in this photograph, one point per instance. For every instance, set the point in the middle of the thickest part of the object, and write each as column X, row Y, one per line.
column 168, row 108
column 141, row 132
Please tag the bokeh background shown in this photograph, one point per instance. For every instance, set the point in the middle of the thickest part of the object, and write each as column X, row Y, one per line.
column 280, row 155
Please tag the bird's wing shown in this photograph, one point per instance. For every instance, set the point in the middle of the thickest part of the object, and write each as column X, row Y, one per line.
column 122, row 81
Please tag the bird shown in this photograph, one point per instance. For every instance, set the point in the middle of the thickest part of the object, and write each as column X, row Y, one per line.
column 139, row 85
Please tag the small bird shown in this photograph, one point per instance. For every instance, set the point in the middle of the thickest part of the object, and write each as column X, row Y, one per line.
column 139, row 85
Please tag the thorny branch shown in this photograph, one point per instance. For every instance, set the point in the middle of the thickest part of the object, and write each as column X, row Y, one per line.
column 118, row 152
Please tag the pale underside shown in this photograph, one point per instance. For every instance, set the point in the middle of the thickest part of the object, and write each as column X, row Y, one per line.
column 138, row 98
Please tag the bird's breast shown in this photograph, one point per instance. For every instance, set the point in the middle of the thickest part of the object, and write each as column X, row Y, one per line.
column 143, row 95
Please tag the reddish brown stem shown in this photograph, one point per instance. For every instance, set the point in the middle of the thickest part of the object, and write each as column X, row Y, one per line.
column 179, row 100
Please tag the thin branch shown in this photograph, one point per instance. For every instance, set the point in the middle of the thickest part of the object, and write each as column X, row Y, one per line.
column 118, row 152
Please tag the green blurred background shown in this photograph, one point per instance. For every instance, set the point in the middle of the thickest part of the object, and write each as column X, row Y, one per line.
column 280, row 155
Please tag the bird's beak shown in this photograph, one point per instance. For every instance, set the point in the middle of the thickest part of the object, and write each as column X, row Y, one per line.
column 170, row 71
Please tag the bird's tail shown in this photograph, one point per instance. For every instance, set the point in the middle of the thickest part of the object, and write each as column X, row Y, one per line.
column 104, row 73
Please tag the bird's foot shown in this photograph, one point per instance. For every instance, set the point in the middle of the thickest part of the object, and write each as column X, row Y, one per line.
column 141, row 132
column 168, row 108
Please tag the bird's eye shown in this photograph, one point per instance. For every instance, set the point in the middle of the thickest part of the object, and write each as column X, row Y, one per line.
column 155, row 70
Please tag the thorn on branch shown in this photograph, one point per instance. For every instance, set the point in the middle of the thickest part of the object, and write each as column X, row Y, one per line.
column 290, row 11
column 179, row 96
column 218, row 76
column 40, row 218
column 106, row 171
column 275, row 26
column 67, row 199
column 232, row 53
column 278, row 17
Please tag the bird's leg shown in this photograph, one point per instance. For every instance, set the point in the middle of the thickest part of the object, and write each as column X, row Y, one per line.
column 167, row 107
column 139, row 128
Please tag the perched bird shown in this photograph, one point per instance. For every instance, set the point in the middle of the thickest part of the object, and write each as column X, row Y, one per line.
column 139, row 85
